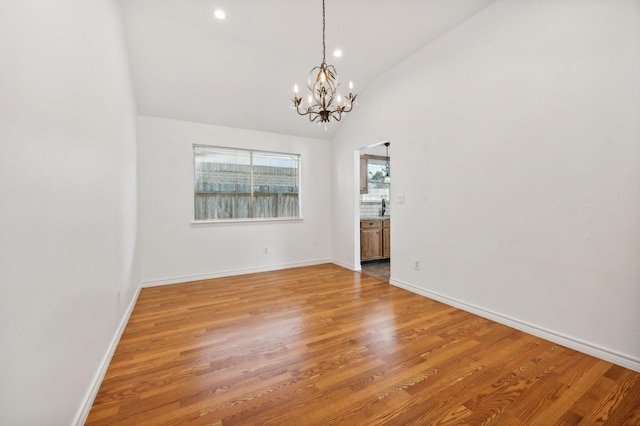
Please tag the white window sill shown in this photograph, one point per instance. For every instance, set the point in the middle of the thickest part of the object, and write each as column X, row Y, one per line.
column 259, row 220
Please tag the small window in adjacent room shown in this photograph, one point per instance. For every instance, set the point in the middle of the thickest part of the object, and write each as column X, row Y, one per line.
column 239, row 184
column 378, row 178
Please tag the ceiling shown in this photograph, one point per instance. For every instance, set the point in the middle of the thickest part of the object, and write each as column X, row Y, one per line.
column 239, row 72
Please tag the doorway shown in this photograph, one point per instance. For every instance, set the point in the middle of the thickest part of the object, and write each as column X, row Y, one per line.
column 374, row 232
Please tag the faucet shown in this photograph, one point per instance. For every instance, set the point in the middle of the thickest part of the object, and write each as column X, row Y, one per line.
column 384, row 207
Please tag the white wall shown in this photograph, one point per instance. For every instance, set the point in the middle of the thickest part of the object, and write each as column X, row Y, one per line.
column 68, row 203
column 516, row 142
column 174, row 250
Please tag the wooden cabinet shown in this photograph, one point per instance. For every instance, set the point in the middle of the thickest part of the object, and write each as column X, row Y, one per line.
column 370, row 239
column 386, row 238
column 375, row 239
column 364, row 182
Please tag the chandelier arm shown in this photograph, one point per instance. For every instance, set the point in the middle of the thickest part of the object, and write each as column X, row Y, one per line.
column 313, row 115
column 351, row 100
column 297, row 102
column 303, row 112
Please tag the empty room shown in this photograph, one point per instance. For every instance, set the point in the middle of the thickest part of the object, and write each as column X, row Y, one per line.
column 286, row 212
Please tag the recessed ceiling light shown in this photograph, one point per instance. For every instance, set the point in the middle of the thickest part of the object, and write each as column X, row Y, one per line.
column 220, row 14
column 337, row 53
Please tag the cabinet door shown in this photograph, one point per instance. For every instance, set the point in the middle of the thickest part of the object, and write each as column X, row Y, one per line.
column 370, row 243
column 364, row 183
column 386, row 242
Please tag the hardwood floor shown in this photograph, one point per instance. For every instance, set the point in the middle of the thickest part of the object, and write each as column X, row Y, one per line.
column 323, row 345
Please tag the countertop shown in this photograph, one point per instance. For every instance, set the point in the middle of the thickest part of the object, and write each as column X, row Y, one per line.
column 375, row 217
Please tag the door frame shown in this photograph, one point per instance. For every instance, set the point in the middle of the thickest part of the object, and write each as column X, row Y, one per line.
column 356, row 220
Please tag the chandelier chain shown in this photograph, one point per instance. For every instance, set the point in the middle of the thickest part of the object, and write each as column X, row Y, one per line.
column 324, row 58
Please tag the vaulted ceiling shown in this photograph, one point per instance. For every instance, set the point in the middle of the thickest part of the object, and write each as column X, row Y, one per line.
column 240, row 71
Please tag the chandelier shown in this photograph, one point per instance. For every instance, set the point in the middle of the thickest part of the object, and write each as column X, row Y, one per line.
column 323, row 103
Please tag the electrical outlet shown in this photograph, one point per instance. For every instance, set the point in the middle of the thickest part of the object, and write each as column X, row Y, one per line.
column 117, row 297
column 265, row 250
column 416, row 265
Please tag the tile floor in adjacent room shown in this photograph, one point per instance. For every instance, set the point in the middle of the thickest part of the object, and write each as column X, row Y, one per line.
column 380, row 269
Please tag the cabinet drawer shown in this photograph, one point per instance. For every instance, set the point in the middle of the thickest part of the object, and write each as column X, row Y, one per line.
column 386, row 223
column 375, row 223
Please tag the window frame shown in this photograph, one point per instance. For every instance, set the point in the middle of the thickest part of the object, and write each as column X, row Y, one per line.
column 247, row 219
column 381, row 161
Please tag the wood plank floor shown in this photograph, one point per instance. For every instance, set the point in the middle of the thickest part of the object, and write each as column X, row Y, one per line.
column 323, row 345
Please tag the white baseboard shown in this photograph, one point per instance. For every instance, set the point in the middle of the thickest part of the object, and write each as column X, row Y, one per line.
column 623, row 360
column 230, row 273
column 355, row 268
column 81, row 416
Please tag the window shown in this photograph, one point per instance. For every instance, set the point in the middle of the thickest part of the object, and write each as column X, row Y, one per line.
column 239, row 184
column 378, row 177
